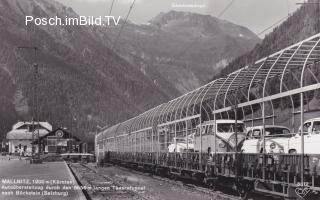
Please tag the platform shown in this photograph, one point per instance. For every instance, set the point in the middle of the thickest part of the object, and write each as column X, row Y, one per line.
column 51, row 177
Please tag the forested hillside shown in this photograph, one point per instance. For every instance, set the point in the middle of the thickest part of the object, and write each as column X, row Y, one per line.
column 302, row 24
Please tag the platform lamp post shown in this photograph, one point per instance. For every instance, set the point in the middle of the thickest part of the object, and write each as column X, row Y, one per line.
column 35, row 98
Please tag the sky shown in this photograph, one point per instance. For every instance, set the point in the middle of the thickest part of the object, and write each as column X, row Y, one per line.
column 257, row 15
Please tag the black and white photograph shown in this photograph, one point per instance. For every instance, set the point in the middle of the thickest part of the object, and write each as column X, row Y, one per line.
column 159, row 99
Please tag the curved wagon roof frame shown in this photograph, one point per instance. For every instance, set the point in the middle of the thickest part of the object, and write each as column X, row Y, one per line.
column 218, row 95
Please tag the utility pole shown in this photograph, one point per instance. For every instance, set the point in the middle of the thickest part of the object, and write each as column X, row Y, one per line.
column 35, row 100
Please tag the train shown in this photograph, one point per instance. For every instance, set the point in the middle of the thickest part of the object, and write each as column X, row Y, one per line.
column 202, row 135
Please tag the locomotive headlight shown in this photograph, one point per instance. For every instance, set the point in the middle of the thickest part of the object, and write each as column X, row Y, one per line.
column 272, row 145
column 222, row 145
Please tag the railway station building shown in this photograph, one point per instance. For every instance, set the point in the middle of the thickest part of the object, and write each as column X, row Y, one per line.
column 61, row 141
column 20, row 138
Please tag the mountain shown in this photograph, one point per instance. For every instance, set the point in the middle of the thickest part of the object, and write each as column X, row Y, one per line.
column 83, row 82
column 187, row 49
column 300, row 25
column 76, row 86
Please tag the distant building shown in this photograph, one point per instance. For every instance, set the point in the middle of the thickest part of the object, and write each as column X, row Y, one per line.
column 61, row 141
column 23, row 133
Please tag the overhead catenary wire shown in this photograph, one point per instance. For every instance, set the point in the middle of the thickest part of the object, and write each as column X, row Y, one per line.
column 226, row 8
column 113, row 45
column 123, row 25
column 281, row 20
column 111, row 7
column 274, row 24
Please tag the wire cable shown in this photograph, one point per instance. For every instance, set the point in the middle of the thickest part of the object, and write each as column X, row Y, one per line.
column 273, row 25
column 226, row 8
column 288, row 7
column 111, row 7
column 120, row 31
column 123, row 25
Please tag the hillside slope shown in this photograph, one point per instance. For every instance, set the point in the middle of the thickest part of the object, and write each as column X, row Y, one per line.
column 300, row 25
column 82, row 82
column 76, row 88
column 185, row 48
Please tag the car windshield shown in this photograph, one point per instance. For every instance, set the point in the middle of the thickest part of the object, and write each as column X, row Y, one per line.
column 181, row 140
column 277, row 132
column 230, row 127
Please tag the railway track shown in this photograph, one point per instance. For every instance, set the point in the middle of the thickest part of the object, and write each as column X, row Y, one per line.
column 97, row 186
column 90, row 176
column 215, row 193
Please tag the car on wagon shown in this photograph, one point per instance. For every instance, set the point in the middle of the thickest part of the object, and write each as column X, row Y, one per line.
column 222, row 135
column 277, row 139
column 179, row 144
column 311, row 132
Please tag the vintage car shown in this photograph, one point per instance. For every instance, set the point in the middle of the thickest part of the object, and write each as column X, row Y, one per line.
column 219, row 136
column 276, row 139
column 311, row 132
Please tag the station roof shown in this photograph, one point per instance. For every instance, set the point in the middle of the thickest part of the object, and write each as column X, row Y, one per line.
column 27, row 124
column 24, row 130
column 59, row 133
column 24, row 135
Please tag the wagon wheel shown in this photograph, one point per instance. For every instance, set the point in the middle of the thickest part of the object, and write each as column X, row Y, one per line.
column 212, row 185
column 174, row 177
column 243, row 189
column 243, row 193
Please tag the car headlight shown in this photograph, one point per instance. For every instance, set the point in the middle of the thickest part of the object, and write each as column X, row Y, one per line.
column 281, row 150
column 272, row 145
